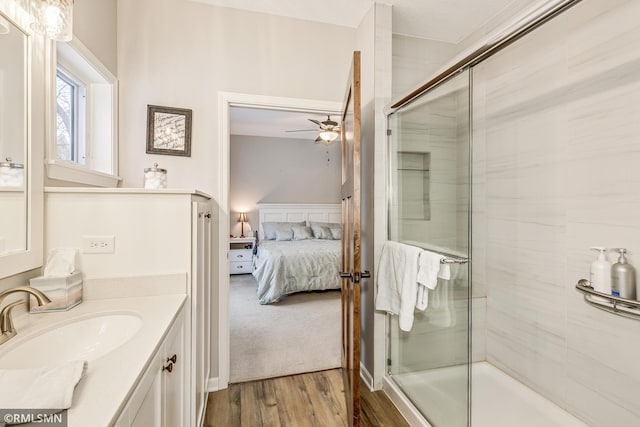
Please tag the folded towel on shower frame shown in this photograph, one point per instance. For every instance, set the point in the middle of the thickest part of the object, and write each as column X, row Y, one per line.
column 397, row 281
column 430, row 269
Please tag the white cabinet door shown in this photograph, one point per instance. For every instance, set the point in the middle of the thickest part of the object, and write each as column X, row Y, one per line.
column 173, row 376
column 149, row 414
column 160, row 399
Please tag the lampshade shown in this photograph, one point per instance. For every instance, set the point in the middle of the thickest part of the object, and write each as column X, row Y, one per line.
column 53, row 19
column 328, row 135
column 242, row 217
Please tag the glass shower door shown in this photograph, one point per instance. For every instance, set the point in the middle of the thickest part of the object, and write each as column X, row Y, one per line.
column 429, row 207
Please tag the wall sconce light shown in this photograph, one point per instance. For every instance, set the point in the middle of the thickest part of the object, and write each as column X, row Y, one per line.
column 242, row 219
column 53, row 19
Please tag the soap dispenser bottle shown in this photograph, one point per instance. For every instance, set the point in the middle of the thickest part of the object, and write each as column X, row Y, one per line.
column 623, row 277
column 600, row 274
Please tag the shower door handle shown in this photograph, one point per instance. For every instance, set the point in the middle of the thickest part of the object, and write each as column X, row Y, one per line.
column 355, row 276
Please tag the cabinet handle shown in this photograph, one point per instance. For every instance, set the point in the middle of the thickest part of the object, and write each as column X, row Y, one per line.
column 208, row 215
column 240, row 256
column 168, row 368
column 172, row 359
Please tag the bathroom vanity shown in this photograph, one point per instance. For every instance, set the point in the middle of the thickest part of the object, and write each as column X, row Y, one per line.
column 125, row 383
column 155, row 232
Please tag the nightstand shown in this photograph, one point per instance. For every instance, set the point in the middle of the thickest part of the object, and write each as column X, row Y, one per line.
column 241, row 254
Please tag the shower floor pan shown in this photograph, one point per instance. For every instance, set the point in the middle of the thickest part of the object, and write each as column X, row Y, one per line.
column 498, row 400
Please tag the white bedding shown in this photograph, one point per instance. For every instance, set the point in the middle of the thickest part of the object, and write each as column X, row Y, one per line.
column 286, row 267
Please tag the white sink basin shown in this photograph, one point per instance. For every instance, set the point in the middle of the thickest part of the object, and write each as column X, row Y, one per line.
column 85, row 339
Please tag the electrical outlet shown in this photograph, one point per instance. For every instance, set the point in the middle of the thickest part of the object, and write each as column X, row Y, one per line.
column 98, row 244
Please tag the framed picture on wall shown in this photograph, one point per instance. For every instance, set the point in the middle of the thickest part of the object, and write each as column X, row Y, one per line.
column 168, row 131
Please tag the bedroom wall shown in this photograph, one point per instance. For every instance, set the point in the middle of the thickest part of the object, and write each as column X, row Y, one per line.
column 280, row 170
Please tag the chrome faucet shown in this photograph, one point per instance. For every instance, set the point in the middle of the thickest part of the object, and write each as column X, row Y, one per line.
column 7, row 330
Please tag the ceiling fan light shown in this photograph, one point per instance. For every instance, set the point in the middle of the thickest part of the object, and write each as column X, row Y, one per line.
column 328, row 135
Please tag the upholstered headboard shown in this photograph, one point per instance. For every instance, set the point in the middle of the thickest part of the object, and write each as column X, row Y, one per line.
column 295, row 212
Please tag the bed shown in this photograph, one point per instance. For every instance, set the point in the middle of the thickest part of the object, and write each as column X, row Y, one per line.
column 290, row 257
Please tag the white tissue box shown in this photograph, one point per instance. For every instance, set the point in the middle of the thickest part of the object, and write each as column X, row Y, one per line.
column 64, row 292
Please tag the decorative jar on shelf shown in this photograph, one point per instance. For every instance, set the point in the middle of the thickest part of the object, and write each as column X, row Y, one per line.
column 155, row 177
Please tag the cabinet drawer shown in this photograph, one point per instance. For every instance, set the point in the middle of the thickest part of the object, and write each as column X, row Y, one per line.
column 240, row 255
column 240, row 267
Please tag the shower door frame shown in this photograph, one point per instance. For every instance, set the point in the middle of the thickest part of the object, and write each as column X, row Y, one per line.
column 406, row 406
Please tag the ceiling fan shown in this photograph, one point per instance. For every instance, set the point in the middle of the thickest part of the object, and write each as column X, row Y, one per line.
column 329, row 130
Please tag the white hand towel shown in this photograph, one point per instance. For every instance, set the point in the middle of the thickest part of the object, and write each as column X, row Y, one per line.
column 442, row 310
column 430, row 268
column 40, row 388
column 397, row 281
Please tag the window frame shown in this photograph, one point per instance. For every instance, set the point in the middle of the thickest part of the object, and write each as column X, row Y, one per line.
column 79, row 151
column 100, row 167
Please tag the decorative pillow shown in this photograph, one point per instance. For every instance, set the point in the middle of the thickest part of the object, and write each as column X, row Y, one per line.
column 301, row 232
column 282, row 234
column 336, row 233
column 320, row 232
column 269, row 228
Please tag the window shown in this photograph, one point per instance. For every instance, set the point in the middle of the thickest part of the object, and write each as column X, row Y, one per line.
column 70, row 114
column 83, row 146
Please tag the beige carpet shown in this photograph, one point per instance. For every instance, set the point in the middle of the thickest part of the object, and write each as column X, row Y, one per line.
column 296, row 335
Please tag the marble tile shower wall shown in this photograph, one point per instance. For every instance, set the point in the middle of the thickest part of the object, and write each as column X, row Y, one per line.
column 431, row 128
column 556, row 149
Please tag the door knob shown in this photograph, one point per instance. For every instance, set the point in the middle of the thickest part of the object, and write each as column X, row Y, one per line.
column 344, row 275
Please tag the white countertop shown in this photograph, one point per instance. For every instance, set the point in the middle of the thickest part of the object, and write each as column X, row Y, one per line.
column 126, row 190
column 102, row 393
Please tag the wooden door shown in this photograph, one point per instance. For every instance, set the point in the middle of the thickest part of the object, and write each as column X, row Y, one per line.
column 351, row 268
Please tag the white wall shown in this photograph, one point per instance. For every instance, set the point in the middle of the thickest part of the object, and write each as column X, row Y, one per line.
column 95, row 24
column 182, row 54
column 556, row 146
column 281, row 170
column 374, row 43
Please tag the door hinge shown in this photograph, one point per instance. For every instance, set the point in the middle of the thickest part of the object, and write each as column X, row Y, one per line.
column 388, row 132
column 389, row 362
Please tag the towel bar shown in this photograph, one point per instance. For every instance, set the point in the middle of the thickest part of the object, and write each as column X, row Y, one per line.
column 454, row 260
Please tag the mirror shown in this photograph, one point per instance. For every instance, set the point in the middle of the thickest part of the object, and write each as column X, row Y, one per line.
column 13, row 137
column 24, row 73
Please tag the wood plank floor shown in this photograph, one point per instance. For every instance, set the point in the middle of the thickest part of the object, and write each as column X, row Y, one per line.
column 307, row 400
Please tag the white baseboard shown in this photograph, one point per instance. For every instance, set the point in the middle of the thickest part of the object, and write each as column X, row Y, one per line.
column 366, row 376
column 213, row 384
column 406, row 408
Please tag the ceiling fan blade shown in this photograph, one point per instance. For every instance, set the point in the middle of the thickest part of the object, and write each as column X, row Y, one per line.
column 315, row 121
column 302, row 130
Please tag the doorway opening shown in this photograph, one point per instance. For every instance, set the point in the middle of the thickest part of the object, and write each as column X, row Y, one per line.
column 256, row 160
